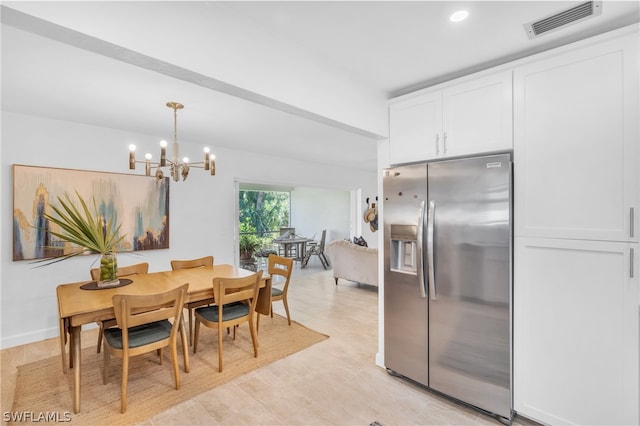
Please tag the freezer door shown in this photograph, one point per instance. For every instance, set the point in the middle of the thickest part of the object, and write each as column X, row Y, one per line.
column 405, row 303
column 469, row 301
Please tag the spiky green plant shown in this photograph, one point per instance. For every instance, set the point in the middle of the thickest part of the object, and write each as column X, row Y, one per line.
column 83, row 227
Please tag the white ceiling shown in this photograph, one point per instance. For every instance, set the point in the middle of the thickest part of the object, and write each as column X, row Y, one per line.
column 113, row 70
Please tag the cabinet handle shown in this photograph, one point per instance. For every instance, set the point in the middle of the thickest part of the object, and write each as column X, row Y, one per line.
column 631, row 256
column 631, row 222
column 437, row 143
column 445, row 143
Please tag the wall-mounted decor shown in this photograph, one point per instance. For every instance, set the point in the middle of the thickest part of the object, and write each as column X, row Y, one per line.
column 139, row 203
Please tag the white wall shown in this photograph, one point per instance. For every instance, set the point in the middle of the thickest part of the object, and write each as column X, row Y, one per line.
column 315, row 209
column 202, row 214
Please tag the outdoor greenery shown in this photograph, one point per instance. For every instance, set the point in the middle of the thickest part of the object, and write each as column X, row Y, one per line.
column 249, row 241
column 263, row 212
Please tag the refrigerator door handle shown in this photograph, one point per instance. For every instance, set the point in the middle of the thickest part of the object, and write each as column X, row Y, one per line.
column 430, row 249
column 423, row 291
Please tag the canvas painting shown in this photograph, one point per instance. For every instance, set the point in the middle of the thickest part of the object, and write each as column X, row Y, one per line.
column 139, row 203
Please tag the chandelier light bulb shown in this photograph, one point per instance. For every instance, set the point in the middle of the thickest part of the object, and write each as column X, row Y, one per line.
column 163, row 143
column 147, row 156
column 132, row 148
column 206, row 149
column 185, row 160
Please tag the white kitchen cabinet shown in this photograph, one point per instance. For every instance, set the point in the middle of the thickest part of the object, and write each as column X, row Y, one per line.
column 477, row 116
column 576, row 144
column 576, row 314
column 463, row 118
column 412, row 124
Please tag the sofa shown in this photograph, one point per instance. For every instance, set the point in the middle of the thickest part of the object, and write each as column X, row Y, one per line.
column 353, row 262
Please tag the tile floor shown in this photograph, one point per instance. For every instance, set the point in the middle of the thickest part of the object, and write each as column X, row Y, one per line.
column 335, row 382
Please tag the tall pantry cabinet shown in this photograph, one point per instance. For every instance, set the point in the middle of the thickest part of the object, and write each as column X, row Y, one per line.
column 577, row 186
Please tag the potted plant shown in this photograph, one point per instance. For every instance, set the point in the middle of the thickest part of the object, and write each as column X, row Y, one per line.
column 249, row 243
column 90, row 232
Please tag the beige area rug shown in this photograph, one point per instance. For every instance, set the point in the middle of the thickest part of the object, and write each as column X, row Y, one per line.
column 41, row 387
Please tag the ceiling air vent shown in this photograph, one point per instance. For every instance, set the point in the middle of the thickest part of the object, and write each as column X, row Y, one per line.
column 563, row 18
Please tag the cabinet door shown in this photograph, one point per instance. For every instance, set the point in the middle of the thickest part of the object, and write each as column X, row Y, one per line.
column 478, row 116
column 576, row 331
column 576, row 144
column 414, row 128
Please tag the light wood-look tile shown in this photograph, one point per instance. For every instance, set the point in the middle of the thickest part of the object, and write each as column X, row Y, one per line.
column 333, row 382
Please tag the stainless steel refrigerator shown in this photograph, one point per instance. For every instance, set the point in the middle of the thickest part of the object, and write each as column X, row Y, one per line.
column 448, row 279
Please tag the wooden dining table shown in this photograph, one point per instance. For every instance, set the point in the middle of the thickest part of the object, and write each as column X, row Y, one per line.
column 77, row 306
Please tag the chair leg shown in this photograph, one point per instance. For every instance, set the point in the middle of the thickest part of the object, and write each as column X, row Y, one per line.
column 105, row 364
column 254, row 337
column 159, row 351
column 258, row 321
column 305, row 259
column 286, row 308
column 190, row 326
column 185, row 345
column 125, row 378
column 196, row 333
column 100, row 333
column 173, row 347
column 220, row 347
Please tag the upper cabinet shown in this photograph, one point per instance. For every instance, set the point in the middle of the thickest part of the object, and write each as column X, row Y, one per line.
column 460, row 119
column 576, row 144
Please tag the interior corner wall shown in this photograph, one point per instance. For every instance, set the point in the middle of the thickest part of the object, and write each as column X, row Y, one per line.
column 202, row 212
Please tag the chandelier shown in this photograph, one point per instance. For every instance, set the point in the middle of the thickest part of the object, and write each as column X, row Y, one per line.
column 177, row 166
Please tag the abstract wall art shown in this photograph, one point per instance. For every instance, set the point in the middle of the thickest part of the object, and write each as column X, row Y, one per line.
column 139, row 203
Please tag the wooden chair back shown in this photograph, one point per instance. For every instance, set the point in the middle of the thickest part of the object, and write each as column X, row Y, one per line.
column 282, row 266
column 156, row 311
column 192, row 263
column 229, row 290
column 123, row 271
column 132, row 310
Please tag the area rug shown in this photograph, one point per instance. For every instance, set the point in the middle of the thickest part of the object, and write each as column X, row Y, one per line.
column 42, row 388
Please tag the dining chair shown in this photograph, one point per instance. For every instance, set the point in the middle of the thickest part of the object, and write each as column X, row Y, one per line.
column 123, row 271
column 282, row 266
column 236, row 300
column 200, row 262
column 143, row 325
column 317, row 250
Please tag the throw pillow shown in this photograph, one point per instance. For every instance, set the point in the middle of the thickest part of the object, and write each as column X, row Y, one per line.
column 360, row 241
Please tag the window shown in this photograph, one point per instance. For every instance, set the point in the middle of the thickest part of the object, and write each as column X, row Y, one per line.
column 263, row 212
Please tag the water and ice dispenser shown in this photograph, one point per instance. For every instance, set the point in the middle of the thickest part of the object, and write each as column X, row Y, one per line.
column 404, row 249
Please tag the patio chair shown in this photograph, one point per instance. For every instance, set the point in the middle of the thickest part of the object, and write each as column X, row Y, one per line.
column 317, row 250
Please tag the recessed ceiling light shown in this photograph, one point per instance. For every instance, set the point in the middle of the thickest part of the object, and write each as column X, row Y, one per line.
column 458, row 16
